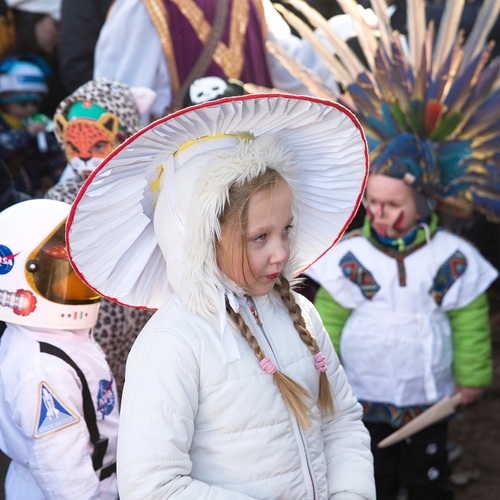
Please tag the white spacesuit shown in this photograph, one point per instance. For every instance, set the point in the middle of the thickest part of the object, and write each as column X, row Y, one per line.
column 58, row 407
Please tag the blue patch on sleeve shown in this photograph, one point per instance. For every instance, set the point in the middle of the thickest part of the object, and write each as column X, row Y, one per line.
column 52, row 415
column 105, row 397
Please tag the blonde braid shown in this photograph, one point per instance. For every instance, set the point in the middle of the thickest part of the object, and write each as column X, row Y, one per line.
column 293, row 393
column 325, row 400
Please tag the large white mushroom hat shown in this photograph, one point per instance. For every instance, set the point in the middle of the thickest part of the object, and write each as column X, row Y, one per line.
column 144, row 225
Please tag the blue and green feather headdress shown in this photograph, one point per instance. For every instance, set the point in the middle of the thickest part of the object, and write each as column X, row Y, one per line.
column 429, row 104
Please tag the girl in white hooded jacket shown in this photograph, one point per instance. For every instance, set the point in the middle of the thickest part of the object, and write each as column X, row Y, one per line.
column 233, row 389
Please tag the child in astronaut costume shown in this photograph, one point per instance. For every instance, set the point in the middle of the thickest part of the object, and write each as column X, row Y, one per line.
column 58, row 406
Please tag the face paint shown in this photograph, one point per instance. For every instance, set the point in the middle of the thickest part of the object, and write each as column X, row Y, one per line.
column 399, row 224
column 390, row 205
column 369, row 213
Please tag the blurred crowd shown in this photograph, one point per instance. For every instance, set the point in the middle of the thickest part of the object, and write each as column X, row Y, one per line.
column 57, row 39
column 75, row 83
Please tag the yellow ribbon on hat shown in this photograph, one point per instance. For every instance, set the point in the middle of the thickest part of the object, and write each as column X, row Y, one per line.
column 155, row 184
column 220, row 135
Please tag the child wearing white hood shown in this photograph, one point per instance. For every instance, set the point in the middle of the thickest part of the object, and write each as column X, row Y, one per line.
column 233, row 389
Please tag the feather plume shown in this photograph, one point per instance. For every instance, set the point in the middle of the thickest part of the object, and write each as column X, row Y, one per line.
column 415, row 20
column 385, row 33
column 422, row 80
column 364, row 32
column 405, row 79
column 300, row 72
column 463, row 86
column 445, row 72
column 437, row 87
column 448, row 28
column 487, row 16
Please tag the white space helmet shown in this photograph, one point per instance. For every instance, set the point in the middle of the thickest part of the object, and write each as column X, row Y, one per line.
column 38, row 286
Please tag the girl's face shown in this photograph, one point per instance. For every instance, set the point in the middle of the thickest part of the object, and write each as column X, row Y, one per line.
column 267, row 242
column 390, row 205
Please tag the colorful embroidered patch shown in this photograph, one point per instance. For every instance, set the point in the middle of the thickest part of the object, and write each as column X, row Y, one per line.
column 390, row 414
column 105, row 397
column 359, row 275
column 52, row 415
column 447, row 274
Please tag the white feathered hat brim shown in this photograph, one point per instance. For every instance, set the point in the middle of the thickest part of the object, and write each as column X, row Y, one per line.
column 110, row 231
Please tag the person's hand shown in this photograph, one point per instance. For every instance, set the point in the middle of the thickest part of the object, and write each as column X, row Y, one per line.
column 469, row 395
column 47, row 34
column 34, row 127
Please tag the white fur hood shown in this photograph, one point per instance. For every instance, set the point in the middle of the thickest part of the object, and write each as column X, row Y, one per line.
column 186, row 217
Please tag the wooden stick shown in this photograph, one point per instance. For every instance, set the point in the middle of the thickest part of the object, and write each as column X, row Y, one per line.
column 434, row 414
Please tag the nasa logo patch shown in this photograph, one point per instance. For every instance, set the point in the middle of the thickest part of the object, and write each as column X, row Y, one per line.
column 6, row 259
column 52, row 415
column 105, row 397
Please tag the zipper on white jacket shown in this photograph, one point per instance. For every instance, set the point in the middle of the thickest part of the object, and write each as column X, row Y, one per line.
column 258, row 321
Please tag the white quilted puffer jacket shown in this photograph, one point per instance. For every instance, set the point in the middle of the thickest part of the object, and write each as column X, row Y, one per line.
column 195, row 426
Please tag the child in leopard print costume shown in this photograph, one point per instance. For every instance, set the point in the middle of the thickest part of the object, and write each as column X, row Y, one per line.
column 89, row 124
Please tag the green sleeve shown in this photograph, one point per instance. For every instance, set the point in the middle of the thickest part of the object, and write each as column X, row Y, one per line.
column 332, row 314
column 472, row 361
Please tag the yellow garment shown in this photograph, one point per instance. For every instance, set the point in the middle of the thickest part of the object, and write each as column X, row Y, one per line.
column 12, row 121
column 7, row 34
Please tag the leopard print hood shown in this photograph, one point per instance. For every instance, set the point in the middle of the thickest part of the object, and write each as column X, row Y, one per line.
column 112, row 95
